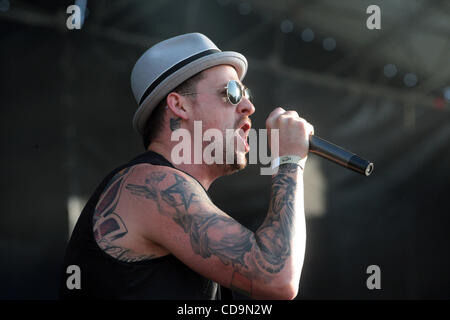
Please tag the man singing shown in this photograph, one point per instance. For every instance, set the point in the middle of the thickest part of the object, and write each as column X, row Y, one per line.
column 150, row 231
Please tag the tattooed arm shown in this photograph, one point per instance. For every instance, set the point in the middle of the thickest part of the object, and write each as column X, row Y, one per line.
column 282, row 236
column 178, row 215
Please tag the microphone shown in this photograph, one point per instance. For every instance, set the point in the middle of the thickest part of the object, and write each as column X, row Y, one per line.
column 339, row 155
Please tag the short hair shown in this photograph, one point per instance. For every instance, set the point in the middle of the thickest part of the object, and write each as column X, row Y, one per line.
column 155, row 122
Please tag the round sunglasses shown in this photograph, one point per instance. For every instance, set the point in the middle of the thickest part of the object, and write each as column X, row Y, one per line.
column 234, row 92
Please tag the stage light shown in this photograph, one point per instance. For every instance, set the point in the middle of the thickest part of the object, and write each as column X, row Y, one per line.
column 439, row 103
column 447, row 93
column 286, row 26
column 390, row 70
column 307, row 35
column 329, row 44
column 410, row 79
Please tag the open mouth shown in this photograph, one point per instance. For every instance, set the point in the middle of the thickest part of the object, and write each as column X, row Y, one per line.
column 243, row 132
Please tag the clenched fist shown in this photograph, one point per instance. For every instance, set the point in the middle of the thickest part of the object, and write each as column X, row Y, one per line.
column 294, row 132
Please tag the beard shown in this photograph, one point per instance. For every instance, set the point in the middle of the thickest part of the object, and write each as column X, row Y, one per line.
column 237, row 164
column 227, row 151
column 239, row 161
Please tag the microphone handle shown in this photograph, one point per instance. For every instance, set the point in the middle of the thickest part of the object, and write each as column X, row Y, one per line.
column 339, row 155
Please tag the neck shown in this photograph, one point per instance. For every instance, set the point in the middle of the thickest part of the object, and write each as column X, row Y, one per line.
column 203, row 173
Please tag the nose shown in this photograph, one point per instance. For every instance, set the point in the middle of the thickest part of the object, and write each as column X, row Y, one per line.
column 245, row 107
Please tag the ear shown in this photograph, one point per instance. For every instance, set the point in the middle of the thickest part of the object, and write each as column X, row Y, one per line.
column 178, row 105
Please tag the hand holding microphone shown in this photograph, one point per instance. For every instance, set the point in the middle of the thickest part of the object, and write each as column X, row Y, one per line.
column 297, row 138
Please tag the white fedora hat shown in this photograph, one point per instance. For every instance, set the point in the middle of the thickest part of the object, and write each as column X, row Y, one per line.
column 169, row 63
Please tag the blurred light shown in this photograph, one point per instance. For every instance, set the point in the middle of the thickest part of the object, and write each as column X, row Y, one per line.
column 4, row 5
column 316, row 193
column 410, row 80
column 82, row 4
column 75, row 205
column 439, row 103
column 245, row 8
column 308, row 35
column 329, row 44
column 447, row 93
column 286, row 26
column 390, row 70
column 223, row 2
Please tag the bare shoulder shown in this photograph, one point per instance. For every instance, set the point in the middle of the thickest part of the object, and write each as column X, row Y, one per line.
column 120, row 221
column 167, row 188
column 164, row 199
column 140, row 199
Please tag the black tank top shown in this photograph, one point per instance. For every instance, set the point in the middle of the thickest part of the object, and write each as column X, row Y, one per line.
column 104, row 277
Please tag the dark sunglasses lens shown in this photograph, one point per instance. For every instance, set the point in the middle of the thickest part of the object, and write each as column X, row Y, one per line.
column 248, row 94
column 234, row 92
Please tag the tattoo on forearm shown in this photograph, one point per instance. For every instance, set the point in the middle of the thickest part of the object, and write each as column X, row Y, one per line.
column 289, row 168
column 274, row 235
column 271, row 243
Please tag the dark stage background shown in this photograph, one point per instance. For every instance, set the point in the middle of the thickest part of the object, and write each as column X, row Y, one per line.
column 66, row 111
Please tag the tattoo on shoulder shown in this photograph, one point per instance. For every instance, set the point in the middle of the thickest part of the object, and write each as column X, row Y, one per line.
column 123, row 254
column 109, row 226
